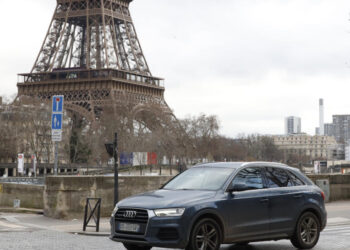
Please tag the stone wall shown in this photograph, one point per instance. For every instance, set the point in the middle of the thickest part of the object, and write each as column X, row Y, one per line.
column 31, row 196
column 339, row 185
column 65, row 197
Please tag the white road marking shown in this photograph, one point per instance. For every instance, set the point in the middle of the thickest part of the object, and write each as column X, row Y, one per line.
column 9, row 225
column 337, row 220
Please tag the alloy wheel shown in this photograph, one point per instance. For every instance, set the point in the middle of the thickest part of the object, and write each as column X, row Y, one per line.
column 207, row 237
column 308, row 230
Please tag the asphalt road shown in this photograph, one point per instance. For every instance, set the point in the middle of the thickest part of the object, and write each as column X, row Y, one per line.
column 332, row 239
column 35, row 232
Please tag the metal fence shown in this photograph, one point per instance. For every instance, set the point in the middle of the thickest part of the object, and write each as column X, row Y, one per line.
column 23, row 180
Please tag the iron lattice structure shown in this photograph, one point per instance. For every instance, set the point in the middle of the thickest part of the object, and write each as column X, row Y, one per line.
column 91, row 54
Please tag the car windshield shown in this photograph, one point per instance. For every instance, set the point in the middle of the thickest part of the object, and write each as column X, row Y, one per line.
column 205, row 178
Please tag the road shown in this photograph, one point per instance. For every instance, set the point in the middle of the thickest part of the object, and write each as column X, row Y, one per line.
column 35, row 232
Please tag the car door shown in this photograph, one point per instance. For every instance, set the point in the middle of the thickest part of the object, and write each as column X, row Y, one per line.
column 247, row 210
column 285, row 200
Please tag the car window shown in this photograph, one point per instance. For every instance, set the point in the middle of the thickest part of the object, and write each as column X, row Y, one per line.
column 295, row 179
column 201, row 178
column 250, row 177
column 277, row 177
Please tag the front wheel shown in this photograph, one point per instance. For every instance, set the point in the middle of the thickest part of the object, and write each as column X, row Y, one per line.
column 206, row 235
column 307, row 232
column 135, row 247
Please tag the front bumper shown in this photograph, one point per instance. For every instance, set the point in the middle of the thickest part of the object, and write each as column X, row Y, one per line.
column 168, row 232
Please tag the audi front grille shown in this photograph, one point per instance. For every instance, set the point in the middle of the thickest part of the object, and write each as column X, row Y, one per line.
column 130, row 215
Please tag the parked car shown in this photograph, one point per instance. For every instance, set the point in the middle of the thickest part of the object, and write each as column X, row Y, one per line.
column 223, row 203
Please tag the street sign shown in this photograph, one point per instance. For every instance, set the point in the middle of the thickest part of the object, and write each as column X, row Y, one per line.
column 57, row 104
column 56, row 135
column 56, row 122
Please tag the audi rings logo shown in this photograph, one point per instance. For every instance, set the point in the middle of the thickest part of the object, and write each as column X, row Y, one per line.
column 129, row 214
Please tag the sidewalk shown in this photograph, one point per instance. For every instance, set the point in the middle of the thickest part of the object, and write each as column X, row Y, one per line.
column 338, row 214
column 39, row 221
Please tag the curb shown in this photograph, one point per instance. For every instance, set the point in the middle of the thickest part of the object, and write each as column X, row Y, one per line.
column 21, row 210
column 95, row 234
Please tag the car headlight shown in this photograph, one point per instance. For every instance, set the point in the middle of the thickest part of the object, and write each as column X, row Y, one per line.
column 175, row 212
column 114, row 211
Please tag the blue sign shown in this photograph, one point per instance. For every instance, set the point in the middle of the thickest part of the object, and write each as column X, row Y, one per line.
column 56, row 122
column 126, row 158
column 57, row 104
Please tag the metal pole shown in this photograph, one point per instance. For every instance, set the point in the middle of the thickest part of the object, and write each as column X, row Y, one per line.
column 56, row 158
column 115, row 154
column 34, row 166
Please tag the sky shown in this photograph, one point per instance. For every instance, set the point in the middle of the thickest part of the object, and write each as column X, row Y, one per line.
column 250, row 62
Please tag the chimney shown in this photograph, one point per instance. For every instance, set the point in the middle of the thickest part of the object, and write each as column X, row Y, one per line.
column 321, row 117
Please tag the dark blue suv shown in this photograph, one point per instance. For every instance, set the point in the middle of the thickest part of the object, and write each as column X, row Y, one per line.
column 223, row 203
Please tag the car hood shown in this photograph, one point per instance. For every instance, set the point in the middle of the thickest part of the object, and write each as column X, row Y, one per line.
column 166, row 199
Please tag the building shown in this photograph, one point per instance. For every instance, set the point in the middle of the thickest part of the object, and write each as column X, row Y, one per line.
column 321, row 117
column 329, row 129
column 347, row 153
column 341, row 126
column 292, row 125
column 306, row 147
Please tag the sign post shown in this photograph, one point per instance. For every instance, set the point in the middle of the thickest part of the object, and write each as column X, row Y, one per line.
column 56, row 124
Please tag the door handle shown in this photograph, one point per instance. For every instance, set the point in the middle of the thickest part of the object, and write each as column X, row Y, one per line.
column 298, row 196
column 264, row 200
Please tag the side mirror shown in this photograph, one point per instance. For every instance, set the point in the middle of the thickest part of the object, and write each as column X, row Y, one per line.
column 238, row 188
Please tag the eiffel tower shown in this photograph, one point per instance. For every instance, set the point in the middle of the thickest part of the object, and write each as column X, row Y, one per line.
column 91, row 54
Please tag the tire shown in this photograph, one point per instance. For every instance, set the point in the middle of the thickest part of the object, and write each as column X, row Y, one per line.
column 206, row 234
column 246, row 243
column 136, row 247
column 307, row 231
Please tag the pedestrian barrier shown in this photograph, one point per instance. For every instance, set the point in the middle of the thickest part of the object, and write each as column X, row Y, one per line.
column 92, row 210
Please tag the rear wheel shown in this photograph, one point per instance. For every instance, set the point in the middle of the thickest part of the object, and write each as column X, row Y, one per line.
column 242, row 243
column 205, row 235
column 136, row 247
column 307, row 231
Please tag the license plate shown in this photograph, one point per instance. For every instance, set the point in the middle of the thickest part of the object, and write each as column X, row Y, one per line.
column 128, row 227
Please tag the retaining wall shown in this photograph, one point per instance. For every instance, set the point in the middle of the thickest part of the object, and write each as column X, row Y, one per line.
column 31, row 196
column 339, row 185
column 65, row 197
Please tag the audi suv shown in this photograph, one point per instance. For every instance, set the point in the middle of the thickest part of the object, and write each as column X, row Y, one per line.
column 223, row 203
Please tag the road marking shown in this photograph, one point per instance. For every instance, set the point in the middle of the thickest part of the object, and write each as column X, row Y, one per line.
column 337, row 220
column 8, row 225
column 343, row 230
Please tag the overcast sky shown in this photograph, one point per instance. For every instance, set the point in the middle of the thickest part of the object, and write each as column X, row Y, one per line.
column 250, row 62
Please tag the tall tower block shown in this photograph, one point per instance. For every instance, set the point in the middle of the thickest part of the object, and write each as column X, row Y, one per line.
column 91, row 54
column 321, row 109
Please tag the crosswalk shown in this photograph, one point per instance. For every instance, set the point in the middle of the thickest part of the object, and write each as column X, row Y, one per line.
column 343, row 230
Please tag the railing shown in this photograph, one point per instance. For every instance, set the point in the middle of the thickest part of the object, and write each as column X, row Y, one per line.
column 23, row 180
column 72, row 74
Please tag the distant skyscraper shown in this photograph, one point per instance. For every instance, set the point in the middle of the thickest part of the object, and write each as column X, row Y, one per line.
column 292, row 125
column 341, row 128
column 329, row 129
column 321, row 127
